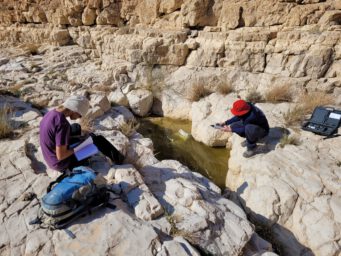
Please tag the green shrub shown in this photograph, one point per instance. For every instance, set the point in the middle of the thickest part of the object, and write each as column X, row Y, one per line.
column 289, row 140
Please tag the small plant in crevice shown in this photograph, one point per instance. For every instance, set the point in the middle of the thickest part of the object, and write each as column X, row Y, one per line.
column 174, row 231
column 13, row 90
column 198, row 91
column 6, row 128
column 294, row 115
column 254, row 96
column 289, row 140
column 225, row 88
column 279, row 94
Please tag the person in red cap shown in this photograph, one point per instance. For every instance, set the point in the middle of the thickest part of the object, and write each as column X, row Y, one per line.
column 248, row 122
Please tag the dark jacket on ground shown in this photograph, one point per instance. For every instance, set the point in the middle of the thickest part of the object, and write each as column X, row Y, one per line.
column 254, row 116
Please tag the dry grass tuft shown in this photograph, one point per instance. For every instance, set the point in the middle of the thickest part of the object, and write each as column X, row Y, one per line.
column 308, row 103
column 129, row 128
column 174, row 231
column 30, row 48
column 225, row 88
column 289, row 140
column 13, row 90
column 6, row 128
column 279, row 94
column 254, row 96
column 101, row 88
column 39, row 104
column 198, row 91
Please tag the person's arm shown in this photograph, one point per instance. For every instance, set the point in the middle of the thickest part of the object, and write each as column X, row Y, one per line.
column 232, row 120
column 63, row 152
column 226, row 128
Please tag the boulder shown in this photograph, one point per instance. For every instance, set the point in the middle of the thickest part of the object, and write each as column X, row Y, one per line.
column 139, row 197
column 290, row 188
column 140, row 101
column 209, row 111
column 60, row 37
column 100, row 101
column 118, row 98
column 89, row 16
column 189, row 198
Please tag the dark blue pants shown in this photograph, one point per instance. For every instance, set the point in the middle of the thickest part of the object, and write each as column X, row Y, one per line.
column 252, row 133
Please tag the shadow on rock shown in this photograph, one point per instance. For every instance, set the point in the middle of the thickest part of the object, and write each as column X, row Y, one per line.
column 37, row 166
column 270, row 142
column 283, row 240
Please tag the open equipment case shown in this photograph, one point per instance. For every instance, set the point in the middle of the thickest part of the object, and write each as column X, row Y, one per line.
column 324, row 121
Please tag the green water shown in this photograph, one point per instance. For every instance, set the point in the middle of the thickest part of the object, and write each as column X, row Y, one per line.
column 169, row 144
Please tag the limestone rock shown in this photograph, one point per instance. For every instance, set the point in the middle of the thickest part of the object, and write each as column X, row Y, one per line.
column 145, row 206
column 296, row 184
column 101, row 101
column 207, row 112
column 88, row 16
column 189, row 204
column 60, row 36
column 178, row 246
column 117, row 97
column 140, row 101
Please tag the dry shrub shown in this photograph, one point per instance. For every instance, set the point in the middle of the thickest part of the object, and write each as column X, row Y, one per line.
column 198, row 91
column 39, row 104
column 30, row 48
column 193, row 238
column 289, row 140
column 13, row 90
column 86, row 124
column 254, row 96
column 225, row 88
column 128, row 128
column 279, row 94
column 101, row 88
column 308, row 102
column 311, row 100
column 6, row 128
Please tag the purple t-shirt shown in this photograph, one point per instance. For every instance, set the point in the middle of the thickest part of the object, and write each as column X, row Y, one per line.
column 54, row 131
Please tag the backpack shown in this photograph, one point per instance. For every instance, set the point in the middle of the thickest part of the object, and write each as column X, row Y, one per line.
column 71, row 196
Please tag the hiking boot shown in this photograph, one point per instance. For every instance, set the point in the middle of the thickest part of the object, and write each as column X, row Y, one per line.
column 249, row 152
column 243, row 144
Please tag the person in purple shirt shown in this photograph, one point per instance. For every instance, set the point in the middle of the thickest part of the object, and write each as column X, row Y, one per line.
column 55, row 136
column 248, row 122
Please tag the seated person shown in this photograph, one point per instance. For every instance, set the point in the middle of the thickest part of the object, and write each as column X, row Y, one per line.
column 248, row 122
column 55, row 136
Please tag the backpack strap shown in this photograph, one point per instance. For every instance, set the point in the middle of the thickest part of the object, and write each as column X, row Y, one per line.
column 65, row 174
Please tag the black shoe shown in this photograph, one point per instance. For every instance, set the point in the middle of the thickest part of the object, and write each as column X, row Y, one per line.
column 243, row 144
column 249, row 152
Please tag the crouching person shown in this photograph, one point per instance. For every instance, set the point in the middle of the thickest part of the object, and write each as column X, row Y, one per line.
column 248, row 122
column 56, row 136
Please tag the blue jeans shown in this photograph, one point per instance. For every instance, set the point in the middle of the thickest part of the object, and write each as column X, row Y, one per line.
column 252, row 133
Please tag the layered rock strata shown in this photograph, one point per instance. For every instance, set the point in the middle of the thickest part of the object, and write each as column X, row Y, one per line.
column 160, row 51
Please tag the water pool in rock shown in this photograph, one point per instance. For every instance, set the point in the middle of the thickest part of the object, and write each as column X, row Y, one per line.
column 171, row 143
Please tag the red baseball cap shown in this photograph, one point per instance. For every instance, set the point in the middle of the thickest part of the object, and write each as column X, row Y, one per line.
column 240, row 107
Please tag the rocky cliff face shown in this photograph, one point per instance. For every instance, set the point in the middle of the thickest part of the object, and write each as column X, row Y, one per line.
column 152, row 55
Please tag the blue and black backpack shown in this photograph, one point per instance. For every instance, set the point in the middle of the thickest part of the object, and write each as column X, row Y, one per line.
column 71, row 196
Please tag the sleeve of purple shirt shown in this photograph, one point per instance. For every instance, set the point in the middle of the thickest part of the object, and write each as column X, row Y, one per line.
column 62, row 134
